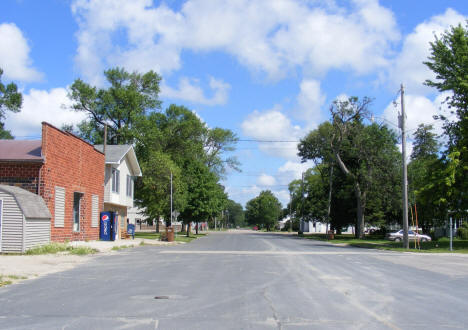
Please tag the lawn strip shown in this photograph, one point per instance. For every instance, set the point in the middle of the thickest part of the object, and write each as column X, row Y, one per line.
column 439, row 246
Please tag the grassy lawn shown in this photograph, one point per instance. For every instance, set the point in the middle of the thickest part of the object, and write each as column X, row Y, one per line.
column 147, row 235
column 181, row 237
column 439, row 246
column 54, row 248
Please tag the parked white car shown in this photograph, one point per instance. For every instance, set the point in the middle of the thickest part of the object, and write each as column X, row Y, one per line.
column 412, row 236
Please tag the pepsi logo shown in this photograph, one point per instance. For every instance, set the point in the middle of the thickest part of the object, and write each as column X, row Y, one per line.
column 105, row 217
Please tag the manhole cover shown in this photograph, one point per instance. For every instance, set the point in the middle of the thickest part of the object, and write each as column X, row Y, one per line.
column 161, row 297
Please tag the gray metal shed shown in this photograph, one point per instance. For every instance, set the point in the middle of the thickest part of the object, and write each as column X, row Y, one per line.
column 24, row 220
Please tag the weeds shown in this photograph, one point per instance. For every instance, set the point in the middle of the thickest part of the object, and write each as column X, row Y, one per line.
column 7, row 279
column 54, row 248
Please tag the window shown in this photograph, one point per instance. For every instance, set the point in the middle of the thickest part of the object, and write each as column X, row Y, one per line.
column 129, row 186
column 94, row 210
column 59, row 213
column 76, row 210
column 115, row 180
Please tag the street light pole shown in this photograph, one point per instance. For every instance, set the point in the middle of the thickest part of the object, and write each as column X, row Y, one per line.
column 290, row 214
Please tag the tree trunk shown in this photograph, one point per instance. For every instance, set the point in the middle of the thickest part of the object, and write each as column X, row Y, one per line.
column 157, row 224
column 360, row 206
column 188, row 229
column 196, row 229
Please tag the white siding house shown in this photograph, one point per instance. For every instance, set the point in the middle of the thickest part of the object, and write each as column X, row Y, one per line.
column 24, row 220
column 121, row 170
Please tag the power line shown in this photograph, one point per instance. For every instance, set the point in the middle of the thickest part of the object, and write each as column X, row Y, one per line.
column 268, row 141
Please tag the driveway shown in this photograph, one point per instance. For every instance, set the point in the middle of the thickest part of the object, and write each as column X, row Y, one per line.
column 246, row 280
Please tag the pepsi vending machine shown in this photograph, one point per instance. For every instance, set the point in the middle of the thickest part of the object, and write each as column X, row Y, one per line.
column 108, row 226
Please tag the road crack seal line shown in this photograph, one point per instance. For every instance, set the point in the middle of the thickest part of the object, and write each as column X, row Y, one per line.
column 273, row 309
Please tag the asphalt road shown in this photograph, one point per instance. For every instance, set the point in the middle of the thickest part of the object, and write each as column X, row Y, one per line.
column 246, row 281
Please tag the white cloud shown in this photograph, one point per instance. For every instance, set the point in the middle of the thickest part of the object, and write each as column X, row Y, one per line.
column 266, row 180
column 287, row 34
column 14, row 55
column 283, row 196
column 272, row 125
column 408, row 67
column 310, row 100
column 39, row 106
column 243, row 195
column 294, row 170
column 189, row 90
column 419, row 110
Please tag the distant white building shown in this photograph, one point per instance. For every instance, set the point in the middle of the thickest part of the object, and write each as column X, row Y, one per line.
column 319, row 227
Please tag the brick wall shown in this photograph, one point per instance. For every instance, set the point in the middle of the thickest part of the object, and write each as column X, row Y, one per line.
column 20, row 174
column 75, row 165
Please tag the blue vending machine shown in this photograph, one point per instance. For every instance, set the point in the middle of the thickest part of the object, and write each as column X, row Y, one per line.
column 107, row 230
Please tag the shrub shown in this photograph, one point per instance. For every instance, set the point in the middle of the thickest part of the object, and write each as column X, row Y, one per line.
column 462, row 232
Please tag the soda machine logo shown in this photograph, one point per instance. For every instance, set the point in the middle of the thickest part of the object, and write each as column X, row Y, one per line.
column 105, row 217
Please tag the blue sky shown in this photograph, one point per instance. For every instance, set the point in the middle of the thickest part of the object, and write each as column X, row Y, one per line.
column 268, row 70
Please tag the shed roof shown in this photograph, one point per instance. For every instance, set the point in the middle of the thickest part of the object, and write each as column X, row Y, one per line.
column 21, row 150
column 115, row 154
column 32, row 205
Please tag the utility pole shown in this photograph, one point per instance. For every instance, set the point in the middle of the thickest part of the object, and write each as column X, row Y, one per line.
column 302, row 198
column 405, row 172
column 105, row 139
column 171, row 199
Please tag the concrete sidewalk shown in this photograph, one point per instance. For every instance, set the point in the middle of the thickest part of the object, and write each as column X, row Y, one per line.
column 106, row 246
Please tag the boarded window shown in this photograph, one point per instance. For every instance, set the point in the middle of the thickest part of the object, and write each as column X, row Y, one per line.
column 59, row 220
column 94, row 210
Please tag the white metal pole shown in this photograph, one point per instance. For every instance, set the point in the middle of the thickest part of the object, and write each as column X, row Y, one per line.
column 451, row 234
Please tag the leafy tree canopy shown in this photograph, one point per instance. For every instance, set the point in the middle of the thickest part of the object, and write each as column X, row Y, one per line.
column 128, row 97
column 10, row 100
column 263, row 210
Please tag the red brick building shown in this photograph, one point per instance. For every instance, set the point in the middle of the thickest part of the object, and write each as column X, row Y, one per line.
column 67, row 172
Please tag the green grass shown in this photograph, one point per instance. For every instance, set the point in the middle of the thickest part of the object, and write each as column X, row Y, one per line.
column 372, row 242
column 146, row 235
column 7, row 279
column 120, row 247
column 4, row 282
column 54, row 248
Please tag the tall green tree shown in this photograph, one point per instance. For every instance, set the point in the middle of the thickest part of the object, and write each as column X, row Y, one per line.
column 424, row 161
column 180, row 135
column 10, row 100
column 219, row 142
column 128, row 98
column 365, row 154
column 153, row 189
column 263, row 210
column 449, row 61
column 425, row 143
column 235, row 213
column 205, row 197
